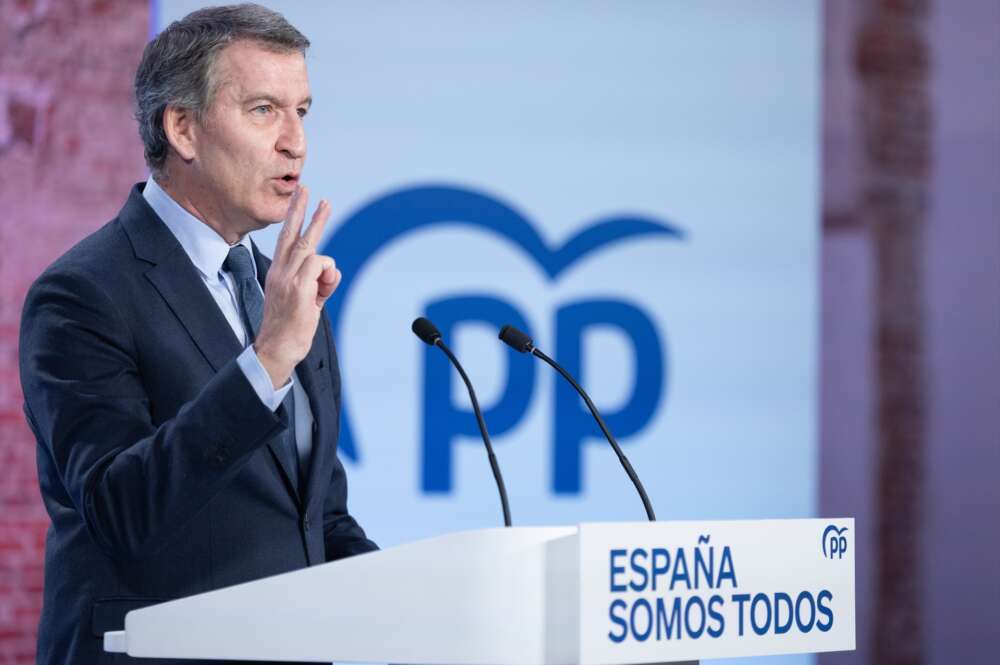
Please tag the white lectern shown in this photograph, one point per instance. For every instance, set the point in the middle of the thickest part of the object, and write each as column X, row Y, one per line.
column 607, row 593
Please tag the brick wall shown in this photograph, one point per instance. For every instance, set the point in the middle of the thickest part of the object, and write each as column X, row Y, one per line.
column 68, row 154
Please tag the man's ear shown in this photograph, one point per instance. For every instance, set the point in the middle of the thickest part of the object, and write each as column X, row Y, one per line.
column 179, row 126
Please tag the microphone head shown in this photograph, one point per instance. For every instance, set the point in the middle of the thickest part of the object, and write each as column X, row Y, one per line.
column 516, row 339
column 426, row 331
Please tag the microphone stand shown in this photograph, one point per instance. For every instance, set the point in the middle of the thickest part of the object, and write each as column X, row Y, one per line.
column 429, row 334
column 520, row 341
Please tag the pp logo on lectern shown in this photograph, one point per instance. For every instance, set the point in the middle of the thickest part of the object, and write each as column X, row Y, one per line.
column 404, row 212
column 834, row 542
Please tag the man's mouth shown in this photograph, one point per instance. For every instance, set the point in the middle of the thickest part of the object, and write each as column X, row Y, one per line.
column 287, row 183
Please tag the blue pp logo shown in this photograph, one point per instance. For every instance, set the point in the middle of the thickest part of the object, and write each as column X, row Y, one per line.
column 402, row 213
column 834, row 542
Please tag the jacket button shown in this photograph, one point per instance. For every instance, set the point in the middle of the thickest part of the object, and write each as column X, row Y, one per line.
column 306, row 524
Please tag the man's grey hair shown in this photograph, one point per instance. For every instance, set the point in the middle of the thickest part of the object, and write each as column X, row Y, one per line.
column 176, row 67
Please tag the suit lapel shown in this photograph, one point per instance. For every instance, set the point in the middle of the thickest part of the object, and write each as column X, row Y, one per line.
column 178, row 282
column 307, row 373
column 180, row 285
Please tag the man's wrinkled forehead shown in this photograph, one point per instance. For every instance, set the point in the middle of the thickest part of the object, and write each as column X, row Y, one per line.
column 247, row 70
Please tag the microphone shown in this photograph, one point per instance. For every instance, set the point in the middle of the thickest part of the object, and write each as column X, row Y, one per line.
column 519, row 341
column 430, row 335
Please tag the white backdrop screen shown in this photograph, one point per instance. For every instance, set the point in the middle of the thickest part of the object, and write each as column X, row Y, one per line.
column 634, row 183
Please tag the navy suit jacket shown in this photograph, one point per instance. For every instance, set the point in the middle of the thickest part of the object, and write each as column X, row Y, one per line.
column 162, row 471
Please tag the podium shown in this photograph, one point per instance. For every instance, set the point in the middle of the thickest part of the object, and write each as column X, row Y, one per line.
column 593, row 594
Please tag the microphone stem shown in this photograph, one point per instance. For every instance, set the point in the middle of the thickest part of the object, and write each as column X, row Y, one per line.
column 482, row 429
column 607, row 433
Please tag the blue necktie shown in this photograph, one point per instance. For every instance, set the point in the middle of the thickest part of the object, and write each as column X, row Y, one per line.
column 251, row 299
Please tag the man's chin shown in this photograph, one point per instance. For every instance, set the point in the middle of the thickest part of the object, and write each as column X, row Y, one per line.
column 270, row 215
column 274, row 210
column 261, row 223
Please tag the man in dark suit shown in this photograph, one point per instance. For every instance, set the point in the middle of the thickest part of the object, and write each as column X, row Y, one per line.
column 183, row 389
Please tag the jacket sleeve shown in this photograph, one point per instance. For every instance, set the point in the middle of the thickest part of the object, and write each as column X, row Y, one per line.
column 342, row 535
column 134, row 484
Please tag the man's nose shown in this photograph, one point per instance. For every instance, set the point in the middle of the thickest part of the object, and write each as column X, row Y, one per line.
column 292, row 139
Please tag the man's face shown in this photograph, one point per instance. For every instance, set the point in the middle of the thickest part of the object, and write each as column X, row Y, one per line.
column 250, row 143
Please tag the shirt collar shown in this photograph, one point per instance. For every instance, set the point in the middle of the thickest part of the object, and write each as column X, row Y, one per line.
column 206, row 248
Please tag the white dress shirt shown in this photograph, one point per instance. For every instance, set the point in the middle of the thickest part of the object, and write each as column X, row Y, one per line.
column 208, row 251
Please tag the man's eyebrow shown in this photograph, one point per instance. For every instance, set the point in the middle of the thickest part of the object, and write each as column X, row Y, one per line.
column 271, row 99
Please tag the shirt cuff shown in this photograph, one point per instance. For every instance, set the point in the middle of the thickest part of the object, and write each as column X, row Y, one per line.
column 261, row 380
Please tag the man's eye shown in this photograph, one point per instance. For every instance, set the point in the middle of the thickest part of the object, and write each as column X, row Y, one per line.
column 303, row 112
column 263, row 109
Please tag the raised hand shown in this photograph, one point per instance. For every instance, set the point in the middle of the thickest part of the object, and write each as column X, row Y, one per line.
column 298, row 284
